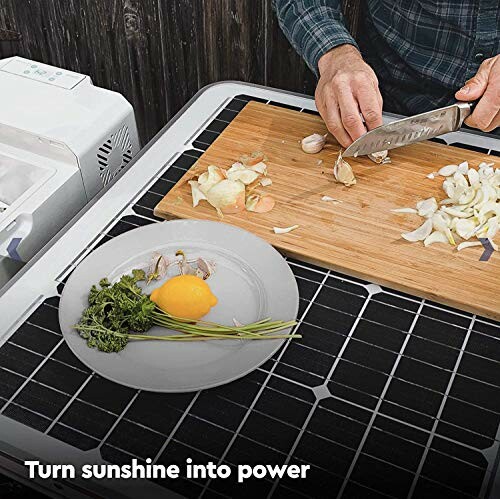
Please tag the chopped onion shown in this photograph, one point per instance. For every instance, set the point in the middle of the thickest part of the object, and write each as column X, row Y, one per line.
column 405, row 210
column 419, row 234
column 472, row 208
column 448, row 170
column 435, row 237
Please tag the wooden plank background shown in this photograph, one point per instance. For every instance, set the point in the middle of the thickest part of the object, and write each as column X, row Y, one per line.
column 157, row 53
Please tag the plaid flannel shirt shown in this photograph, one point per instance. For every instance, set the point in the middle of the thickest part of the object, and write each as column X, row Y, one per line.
column 421, row 50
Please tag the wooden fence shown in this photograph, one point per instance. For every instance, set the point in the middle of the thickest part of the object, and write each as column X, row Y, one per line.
column 157, row 53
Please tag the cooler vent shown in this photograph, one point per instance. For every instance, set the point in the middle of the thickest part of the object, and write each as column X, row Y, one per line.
column 114, row 154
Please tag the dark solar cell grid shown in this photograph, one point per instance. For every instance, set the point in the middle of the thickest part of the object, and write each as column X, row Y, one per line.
column 385, row 395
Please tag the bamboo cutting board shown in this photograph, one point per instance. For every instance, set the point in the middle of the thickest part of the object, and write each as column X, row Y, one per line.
column 359, row 236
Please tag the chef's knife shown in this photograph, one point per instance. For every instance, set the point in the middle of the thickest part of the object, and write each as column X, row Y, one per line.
column 412, row 129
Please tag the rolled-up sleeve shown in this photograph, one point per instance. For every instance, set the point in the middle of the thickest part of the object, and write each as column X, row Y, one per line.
column 313, row 27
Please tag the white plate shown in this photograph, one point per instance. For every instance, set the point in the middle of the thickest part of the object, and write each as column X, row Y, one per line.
column 252, row 281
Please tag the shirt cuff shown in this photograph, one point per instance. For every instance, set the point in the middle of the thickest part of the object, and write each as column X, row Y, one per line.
column 323, row 38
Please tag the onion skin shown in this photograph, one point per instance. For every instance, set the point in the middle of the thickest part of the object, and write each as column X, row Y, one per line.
column 227, row 196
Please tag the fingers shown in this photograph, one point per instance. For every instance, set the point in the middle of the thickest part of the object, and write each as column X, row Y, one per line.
column 495, row 123
column 347, row 93
column 370, row 103
column 349, row 113
column 476, row 86
column 334, row 124
column 485, row 114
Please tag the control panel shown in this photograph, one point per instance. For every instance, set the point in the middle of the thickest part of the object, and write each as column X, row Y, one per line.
column 42, row 73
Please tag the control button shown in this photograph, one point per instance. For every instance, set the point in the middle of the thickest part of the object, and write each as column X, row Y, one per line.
column 58, row 73
column 52, row 79
column 34, row 66
column 27, row 72
column 479, row 57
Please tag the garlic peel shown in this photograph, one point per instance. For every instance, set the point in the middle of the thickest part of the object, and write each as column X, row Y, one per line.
column 284, row 230
column 330, row 199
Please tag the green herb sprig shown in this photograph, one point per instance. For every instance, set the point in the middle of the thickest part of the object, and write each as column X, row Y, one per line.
column 120, row 312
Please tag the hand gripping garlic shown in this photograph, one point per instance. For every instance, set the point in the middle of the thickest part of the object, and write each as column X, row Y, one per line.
column 313, row 143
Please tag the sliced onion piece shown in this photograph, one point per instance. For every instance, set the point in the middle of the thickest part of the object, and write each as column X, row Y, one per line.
column 468, row 244
column 448, row 170
column 284, row 230
column 427, row 207
column 405, row 210
column 435, row 237
column 419, row 234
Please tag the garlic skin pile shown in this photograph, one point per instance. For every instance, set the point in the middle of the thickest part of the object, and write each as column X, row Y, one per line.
column 470, row 211
column 231, row 191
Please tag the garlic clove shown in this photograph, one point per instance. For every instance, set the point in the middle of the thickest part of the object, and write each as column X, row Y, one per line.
column 343, row 172
column 378, row 157
column 265, row 182
column 419, row 234
column 205, row 267
column 313, row 144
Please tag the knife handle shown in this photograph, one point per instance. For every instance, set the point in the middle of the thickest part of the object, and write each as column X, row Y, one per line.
column 466, row 109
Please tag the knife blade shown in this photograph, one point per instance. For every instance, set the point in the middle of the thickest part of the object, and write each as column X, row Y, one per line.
column 410, row 130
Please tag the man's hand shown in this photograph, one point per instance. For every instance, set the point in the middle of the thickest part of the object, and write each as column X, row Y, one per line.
column 346, row 88
column 485, row 86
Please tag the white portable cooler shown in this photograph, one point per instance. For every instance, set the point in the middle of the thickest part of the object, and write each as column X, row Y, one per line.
column 61, row 141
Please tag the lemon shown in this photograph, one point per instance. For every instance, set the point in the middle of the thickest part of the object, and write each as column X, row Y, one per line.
column 185, row 296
